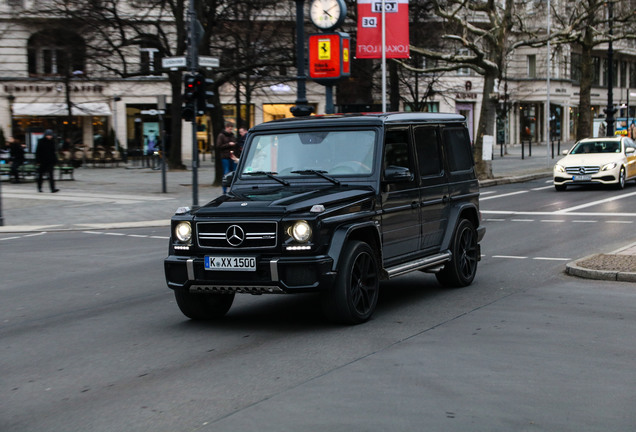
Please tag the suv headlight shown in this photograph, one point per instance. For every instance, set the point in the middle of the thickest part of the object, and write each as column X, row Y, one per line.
column 609, row 166
column 183, row 232
column 300, row 231
column 558, row 168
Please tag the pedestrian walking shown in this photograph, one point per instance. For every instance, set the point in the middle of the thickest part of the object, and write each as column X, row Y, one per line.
column 17, row 158
column 46, row 158
column 225, row 146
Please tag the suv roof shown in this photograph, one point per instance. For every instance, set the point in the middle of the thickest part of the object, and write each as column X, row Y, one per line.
column 370, row 119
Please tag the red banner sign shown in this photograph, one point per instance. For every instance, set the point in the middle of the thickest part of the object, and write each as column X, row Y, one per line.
column 396, row 13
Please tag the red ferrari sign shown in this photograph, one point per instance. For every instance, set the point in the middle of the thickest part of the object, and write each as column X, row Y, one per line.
column 328, row 56
column 396, row 13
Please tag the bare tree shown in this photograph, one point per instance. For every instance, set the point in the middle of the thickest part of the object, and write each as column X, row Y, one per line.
column 477, row 35
column 585, row 26
column 245, row 34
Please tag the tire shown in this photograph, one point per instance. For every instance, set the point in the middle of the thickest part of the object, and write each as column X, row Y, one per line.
column 461, row 269
column 621, row 179
column 354, row 296
column 203, row 306
column 560, row 188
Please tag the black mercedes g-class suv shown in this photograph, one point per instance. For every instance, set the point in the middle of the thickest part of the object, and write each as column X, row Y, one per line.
column 333, row 204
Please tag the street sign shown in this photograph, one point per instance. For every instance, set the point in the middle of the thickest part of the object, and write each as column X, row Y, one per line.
column 208, row 62
column 173, row 62
column 152, row 112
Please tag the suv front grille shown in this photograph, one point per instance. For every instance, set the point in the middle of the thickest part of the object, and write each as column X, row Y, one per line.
column 232, row 235
column 581, row 170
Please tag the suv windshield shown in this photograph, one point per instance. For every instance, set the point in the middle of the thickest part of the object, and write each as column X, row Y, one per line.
column 307, row 153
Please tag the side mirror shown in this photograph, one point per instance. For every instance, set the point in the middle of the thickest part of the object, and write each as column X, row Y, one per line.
column 564, row 152
column 395, row 174
column 227, row 179
column 630, row 150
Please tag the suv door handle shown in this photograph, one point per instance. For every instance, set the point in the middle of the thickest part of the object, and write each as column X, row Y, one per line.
column 445, row 199
column 415, row 204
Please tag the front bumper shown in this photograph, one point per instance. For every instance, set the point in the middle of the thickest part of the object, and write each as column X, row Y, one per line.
column 272, row 275
column 602, row 177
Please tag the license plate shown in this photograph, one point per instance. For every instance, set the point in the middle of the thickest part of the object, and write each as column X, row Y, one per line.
column 225, row 263
column 581, row 177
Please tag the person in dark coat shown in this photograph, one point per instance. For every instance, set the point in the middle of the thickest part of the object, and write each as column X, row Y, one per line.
column 225, row 146
column 17, row 158
column 46, row 158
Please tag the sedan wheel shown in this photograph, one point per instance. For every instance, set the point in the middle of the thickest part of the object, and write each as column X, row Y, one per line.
column 621, row 179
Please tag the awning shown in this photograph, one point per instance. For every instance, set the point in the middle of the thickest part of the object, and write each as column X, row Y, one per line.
column 60, row 109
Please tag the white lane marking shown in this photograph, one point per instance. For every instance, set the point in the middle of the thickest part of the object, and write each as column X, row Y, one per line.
column 532, row 258
column 584, row 221
column 553, row 220
column 495, row 220
column 522, row 220
column 552, row 259
column 503, row 195
column 618, row 221
column 530, row 213
column 542, row 187
column 593, row 203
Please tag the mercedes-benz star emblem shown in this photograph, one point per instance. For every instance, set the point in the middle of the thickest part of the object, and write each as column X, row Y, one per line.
column 582, row 170
column 235, row 235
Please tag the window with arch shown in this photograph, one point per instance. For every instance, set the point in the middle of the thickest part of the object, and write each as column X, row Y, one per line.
column 56, row 52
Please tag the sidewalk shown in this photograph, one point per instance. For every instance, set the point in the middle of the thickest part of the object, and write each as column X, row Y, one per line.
column 128, row 197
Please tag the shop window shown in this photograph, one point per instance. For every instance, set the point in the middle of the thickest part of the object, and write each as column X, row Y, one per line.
column 532, row 66
column 55, row 52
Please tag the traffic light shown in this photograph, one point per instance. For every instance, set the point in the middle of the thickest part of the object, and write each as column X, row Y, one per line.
column 189, row 97
column 203, row 93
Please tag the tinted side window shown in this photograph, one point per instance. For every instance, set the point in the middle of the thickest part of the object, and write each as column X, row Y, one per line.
column 396, row 149
column 428, row 153
column 457, row 145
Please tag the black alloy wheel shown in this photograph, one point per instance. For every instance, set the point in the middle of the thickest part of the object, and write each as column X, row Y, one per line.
column 461, row 269
column 354, row 297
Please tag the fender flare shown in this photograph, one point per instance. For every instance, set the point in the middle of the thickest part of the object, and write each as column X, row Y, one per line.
column 342, row 235
column 464, row 210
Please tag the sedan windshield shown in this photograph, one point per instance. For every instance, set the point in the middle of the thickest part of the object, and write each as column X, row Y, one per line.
column 597, row 147
column 318, row 153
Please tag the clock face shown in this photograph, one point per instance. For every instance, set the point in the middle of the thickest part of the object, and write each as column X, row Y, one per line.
column 327, row 14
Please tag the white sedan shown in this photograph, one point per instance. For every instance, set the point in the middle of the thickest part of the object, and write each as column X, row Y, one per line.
column 610, row 161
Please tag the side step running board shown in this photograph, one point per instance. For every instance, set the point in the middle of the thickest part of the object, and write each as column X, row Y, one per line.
column 420, row 264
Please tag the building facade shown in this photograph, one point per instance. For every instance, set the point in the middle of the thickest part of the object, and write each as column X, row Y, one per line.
column 45, row 69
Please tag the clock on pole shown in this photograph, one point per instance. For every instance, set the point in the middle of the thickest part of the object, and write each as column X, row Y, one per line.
column 327, row 14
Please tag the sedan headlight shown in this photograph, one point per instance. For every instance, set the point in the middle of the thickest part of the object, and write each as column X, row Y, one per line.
column 183, row 231
column 609, row 166
column 558, row 168
column 301, row 231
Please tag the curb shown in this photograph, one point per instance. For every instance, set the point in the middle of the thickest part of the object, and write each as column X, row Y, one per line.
column 574, row 269
column 514, row 179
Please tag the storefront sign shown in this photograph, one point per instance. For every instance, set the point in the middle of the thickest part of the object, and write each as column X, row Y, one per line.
column 329, row 56
column 35, row 88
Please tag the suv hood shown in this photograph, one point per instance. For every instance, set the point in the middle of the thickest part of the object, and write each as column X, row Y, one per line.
column 279, row 201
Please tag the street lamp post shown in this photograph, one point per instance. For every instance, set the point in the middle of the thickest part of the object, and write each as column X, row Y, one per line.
column 301, row 109
column 609, row 111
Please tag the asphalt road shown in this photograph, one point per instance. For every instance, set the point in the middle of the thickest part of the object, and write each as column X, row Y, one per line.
column 92, row 340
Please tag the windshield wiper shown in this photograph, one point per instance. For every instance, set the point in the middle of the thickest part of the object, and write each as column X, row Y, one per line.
column 269, row 174
column 319, row 173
